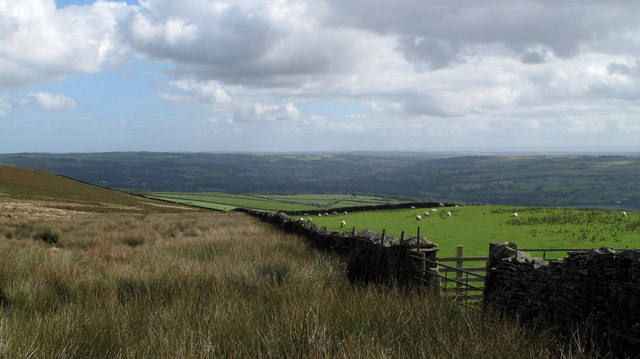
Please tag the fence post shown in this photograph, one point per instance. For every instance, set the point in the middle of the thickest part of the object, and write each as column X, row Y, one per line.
column 422, row 267
column 398, row 254
column 381, row 249
column 459, row 266
column 353, row 238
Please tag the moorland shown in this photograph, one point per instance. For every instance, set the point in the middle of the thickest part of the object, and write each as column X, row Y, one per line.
column 91, row 272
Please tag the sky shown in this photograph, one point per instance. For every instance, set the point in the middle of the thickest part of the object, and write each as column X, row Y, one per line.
column 319, row 75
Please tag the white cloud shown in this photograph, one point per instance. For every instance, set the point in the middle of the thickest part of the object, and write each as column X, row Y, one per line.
column 423, row 66
column 256, row 112
column 42, row 43
column 197, row 93
column 48, row 102
column 5, row 107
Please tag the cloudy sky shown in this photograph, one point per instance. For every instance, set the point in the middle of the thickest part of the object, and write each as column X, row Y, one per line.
column 319, row 75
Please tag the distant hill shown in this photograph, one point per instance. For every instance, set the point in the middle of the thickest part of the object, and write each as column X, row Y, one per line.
column 34, row 184
column 579, row 181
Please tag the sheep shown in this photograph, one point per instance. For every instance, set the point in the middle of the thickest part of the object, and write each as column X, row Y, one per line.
column 448, row 214
column 426, row 214
column 334, row 212
column 301, row 219
column 343, row 224
column 623, row 215
column 319, row 214
column 326, row 214
column 515, row 214
column 434, row 210
column 345, row 213
column 441, row 204
column 418, row 218
column 413, row 207
column 309, row 220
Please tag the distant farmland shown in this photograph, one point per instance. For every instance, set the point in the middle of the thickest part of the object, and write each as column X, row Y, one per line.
column 297, row 202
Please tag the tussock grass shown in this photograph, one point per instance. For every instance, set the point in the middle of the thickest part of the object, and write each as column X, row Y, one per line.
column 202, row 285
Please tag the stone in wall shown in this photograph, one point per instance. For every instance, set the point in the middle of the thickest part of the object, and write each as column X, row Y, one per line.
column 596, row 289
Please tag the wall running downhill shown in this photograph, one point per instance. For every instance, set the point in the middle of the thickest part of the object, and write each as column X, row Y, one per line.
column 597, row 289
column 369, row 260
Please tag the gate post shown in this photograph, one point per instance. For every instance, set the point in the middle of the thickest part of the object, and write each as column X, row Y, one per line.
column 458, row 266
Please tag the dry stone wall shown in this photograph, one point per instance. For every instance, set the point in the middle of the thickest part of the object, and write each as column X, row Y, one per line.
column 597, row 289
column 374, row 208
column 371, row 258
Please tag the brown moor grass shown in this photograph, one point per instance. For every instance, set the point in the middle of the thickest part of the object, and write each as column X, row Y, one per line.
column 205, row 284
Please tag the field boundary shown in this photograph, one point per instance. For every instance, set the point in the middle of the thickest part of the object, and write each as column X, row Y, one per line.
column 373, row 208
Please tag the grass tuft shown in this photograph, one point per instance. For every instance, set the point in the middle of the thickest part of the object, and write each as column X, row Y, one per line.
column 47, row 236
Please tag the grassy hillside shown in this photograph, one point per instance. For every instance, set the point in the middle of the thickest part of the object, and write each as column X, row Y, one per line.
column 124, row 282
column 474, row 227
column 33, row 184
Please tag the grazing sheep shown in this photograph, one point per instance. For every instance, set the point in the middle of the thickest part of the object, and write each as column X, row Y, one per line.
column 343, row 224
column 345, row 213
column 334, row 212
column 515, row 214
column 301, row 219
column 426, row 214
column 319, row 214
column 418, row 218
column 457, row 206
column 434, row 210
column 309, row 220
column 413, row 207
column 441, row 204
column 623, row 215
column 326, row 214
column 448, row 214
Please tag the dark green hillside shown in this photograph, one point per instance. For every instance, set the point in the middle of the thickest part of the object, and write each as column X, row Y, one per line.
column 583, row 181
column 579, row 181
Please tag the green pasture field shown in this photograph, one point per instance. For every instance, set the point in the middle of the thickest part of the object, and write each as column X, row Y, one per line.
column 474, row 227
column 297, row 202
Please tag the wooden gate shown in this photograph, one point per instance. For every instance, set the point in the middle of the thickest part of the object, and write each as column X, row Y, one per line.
column 454, row 277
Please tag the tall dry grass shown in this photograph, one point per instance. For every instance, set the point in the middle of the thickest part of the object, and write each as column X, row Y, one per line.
column 203, row 285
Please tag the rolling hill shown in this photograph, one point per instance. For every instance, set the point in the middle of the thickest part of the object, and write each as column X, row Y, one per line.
column 21, row 184
column 602, row 181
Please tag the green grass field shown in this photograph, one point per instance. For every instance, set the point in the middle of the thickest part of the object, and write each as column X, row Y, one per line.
column 296, row 202
column 474, row 227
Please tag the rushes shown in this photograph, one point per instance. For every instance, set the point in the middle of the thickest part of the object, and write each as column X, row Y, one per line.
column 219, row 285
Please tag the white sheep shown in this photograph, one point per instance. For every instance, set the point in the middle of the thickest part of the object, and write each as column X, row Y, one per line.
column 326, row 214
column 345, row 213
column 426, row 214
column 434, row 210
column 623, row 215
column 515, row 214
column 413, row 207
column 301, row 219
column 319, row 214
column 448, row 214
column 441, row 204
column 309, row 220
column 418, row 218
column 343, row 224
column 334, row 212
